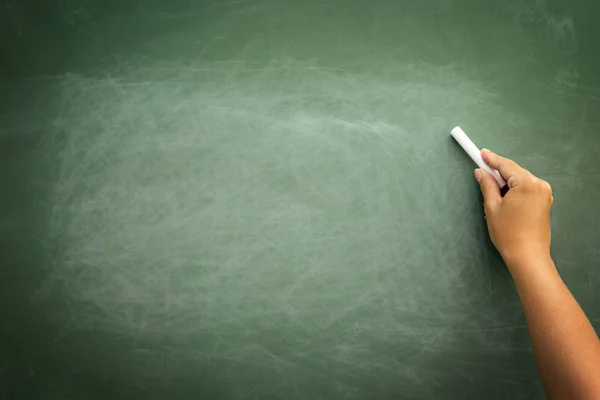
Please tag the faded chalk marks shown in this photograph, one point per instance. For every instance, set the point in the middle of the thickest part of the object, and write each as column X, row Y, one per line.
column 260, row 200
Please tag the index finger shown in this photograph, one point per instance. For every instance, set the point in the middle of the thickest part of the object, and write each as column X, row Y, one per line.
column 507, row 167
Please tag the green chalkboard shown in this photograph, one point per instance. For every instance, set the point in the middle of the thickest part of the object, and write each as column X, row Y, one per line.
column 260, row 199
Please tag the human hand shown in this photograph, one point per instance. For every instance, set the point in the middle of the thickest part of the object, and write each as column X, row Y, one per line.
column 519, row 222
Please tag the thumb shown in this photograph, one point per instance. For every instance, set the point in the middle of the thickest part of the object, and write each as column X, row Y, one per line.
column 489, row 187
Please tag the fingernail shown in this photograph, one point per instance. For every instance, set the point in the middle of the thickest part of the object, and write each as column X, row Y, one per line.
column 485, row 150
column 477, row 175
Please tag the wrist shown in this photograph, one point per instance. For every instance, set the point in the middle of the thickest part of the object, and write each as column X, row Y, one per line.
column 532, row 270
column 524, row 257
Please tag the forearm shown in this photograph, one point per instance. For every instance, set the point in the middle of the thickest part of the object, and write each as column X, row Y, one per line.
column 565, row 345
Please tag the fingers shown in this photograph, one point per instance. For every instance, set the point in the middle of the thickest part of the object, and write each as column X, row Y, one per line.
column 507, row 168
column 489, row 188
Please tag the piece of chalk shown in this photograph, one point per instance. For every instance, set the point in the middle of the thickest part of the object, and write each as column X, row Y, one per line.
column 475, row 154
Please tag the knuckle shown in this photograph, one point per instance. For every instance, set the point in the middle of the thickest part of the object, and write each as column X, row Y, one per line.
column 545, row 187
column 523, row 175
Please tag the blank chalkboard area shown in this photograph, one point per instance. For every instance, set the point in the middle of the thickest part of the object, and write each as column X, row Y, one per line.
column 260, row 199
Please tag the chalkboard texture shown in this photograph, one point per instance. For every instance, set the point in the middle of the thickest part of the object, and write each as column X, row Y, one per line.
column 260, row 199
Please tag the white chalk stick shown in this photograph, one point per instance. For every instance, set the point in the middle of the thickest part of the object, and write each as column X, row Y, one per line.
column 475, row 154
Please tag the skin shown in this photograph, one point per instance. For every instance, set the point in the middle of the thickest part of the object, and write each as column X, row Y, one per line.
column 566, row 348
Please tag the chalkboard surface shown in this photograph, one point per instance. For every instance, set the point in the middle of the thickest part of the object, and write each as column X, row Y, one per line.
column 260, row 199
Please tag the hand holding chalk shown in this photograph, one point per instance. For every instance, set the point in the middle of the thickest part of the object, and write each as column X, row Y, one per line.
column 518, row 223
column 475, row 154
